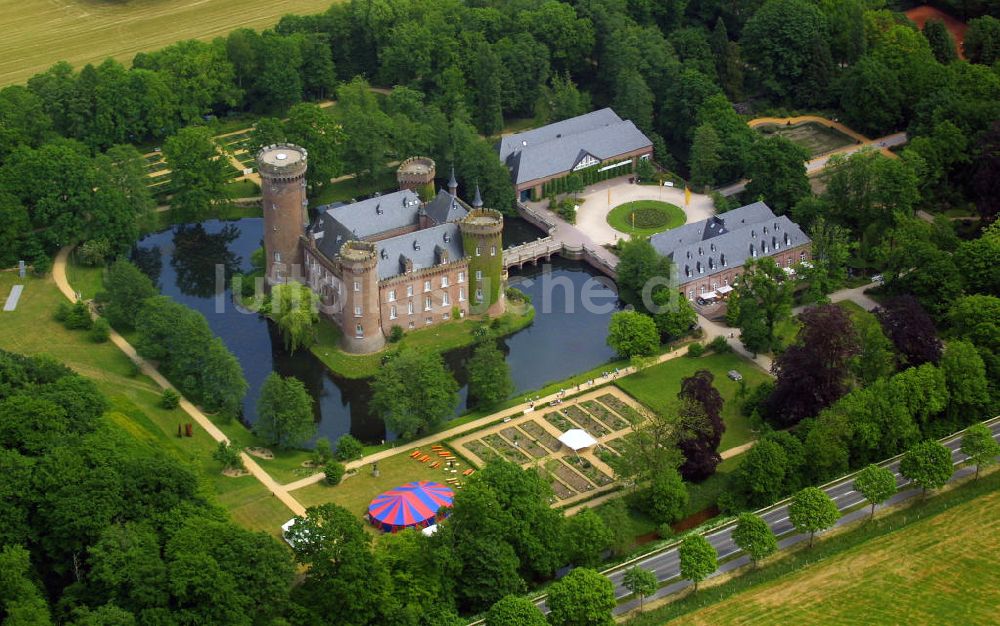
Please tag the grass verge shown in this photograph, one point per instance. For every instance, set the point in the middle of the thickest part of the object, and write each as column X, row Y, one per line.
column 927, row 563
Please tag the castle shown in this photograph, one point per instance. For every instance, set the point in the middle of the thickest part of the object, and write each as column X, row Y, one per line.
column 411, row 258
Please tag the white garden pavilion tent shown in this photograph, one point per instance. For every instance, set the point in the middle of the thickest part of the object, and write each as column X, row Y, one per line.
column 577, row 439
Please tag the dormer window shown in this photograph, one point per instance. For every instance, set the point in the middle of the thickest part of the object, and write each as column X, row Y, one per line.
column 712, row 247
column 765, row 230
column 786, row 239
column 378, row 209
column 701, row 270
column 774, row 242
column 687, row 271
column 753, row 252
column 689, row 254
column 447, row 237
column 384, row 254
column 722, row 259
column 700, row 251
column 753, row 233
column 416, row 244
column 711, row 263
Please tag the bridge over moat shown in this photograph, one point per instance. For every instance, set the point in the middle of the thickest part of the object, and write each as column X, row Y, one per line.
column 563, row 239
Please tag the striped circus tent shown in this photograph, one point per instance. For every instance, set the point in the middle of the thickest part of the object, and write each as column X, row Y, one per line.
column 413, row 505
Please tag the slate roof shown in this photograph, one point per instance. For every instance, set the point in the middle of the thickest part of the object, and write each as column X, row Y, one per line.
column 339, row 223
column 727, row 240
column 558, row 147
column 422, row 247
column 444, row 208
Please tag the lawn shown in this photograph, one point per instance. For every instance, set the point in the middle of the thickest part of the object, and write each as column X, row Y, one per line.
column 935, row 570
column 657, row 387
column 38, row 33
column 357, row 491
column 649, row 217
column 439, row 338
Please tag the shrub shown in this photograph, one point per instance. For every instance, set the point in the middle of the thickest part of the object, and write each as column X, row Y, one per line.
column 323, row 451
column 665, row 531
column 229, row 455
column 516, row 295
column 170, row 399
column 78, row 317
column 62, row 312
column 695, row 350
column 720, row 345
column 334, row 473
column 396, row 333
column 348, row 448
column 100, row 331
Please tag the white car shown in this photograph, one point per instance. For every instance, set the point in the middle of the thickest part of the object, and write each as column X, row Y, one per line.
column 734, row 375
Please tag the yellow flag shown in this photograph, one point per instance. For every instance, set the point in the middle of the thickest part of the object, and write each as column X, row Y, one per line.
column 687, row 195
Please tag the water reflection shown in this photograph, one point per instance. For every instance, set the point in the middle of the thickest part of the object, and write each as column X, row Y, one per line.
column 565, row 338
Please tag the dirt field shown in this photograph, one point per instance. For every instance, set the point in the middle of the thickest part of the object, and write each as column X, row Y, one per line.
column 816, row 138
column 936, row 571
column 920, row 15
column 38, row 33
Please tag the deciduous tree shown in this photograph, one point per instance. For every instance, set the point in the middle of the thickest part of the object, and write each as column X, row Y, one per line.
column 641, row 582
column 631, row 334
column 698, row 559
column 876, row 484
column 811, row 510
column 587, row 537
column 581, row 598
column 126, row 288
column 911, row 330
column 284, row 412
column 488, row 375
column 980, row 446
column 198, row 173
column 812, row 373
column 777, row 171
column 700, row 444
column 514, row 611
column 927, row 464
column 413, row 392
column 294, row 307
column 754, row 536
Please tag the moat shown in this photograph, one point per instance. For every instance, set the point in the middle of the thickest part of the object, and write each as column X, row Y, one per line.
column 566, row 337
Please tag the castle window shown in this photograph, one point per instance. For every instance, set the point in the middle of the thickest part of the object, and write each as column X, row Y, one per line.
column 802, row 256
column 357, row 285
column 427, row 303
column 461, row 277
column 690, row 294
column 445, row 300
column 409, row 290
column 392, row 296
column 429, row 321
column 357, row 311
column 392, row 312
column 359, row 331
column 461, row 294
column 444, row 281
column 479, row 274
column 479, row 295
column 446, row 316
column 493, row 250
column 409, row 308
column 477, row 251
column 277, row 257
column 411, row 324
column 427, row 286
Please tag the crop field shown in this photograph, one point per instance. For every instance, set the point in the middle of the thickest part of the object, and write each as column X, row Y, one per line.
column 38, row 33
column 934, row 571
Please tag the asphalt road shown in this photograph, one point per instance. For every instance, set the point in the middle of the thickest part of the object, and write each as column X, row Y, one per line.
column 666, row 564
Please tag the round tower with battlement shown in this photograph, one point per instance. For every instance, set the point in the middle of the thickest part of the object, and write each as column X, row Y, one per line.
column 360, row 318
column 482, row 231
column 417, row 174
column 282, row 170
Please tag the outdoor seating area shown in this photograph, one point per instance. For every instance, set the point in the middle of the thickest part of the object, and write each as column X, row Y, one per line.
column 441, row 458
column 570, row 441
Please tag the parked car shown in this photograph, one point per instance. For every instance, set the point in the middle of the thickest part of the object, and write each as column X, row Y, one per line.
column 734, row 375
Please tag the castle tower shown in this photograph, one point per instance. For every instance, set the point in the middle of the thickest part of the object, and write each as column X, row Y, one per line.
column 360, row 317
column 282, row 170
column 417, row 174
column 481, row 237
column 477, row 201
column 453, row 184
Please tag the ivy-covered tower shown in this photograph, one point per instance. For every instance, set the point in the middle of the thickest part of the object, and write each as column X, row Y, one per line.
column 282, row 170
column 360, row 317
column 482, row 241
